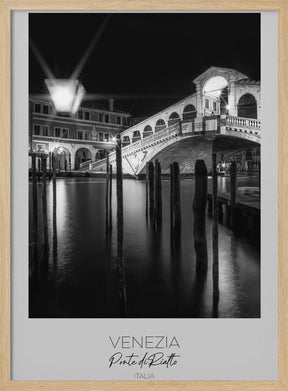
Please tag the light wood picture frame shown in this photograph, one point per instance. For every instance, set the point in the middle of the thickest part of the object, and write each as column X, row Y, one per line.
column 7, row 6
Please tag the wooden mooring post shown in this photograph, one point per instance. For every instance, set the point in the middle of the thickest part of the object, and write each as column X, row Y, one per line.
column 199, row 209
column 44, row 205
column 233, row 193
column 259, row 177
column 50, row 165
column 171, row 207
column 215, row 230
column 147, row 190
column 107, row 192
column 34, row 265
column 176, row 205
column 38, row 168
column 120, row 229
column 110, row 198
column 151, row 188
column 158, row 195
column 54, row 162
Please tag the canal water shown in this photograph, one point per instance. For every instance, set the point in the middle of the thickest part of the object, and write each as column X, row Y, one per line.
column 81, row 279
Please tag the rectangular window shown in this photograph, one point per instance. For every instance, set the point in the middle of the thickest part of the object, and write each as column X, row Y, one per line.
column 206, row 103
column 214, row 106
column 45, row 130
column 80, row 114
column 106, row 118
column 106, row 135
column 37, row 108
column 100, row 117
column 36, row 130
column 57, row 132
column 118, row 120
column 100, row 136
column 83, row 135
column 65, row 133
column 45, row 109
column 87, row 115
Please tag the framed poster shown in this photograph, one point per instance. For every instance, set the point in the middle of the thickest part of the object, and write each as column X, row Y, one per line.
column 127, row 117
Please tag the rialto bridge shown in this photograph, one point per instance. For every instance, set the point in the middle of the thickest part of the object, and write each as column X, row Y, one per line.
column 222, row 115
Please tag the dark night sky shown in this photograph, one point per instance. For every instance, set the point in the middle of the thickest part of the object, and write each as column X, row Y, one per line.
column 152, row 54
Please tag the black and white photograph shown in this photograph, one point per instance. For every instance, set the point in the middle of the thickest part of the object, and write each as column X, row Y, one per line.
column 144, row 165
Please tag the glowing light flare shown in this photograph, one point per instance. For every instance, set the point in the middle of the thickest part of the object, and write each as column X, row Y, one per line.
column 41, row 60
column 66, row 94
column 113, row 139
column 90, row 48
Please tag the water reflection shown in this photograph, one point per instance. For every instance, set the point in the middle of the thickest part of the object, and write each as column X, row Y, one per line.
column 82, row 275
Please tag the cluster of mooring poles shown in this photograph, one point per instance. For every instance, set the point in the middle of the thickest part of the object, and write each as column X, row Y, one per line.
column 154, row 211
column 199, row 209
column 40, row 249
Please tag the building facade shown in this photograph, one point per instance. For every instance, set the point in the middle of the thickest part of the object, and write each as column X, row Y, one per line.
column 86, row 136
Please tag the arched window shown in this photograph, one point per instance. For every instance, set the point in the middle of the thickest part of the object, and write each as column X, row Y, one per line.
column 160, row 124
column 126, row 140
column 81, row 156
column 189, row 112
column 247, row 106
column 63, row 158
column 136, row 136
column 173, row 119
column 147, row 131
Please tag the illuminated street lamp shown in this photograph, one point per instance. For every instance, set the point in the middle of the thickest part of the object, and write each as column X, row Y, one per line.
column 66, row 94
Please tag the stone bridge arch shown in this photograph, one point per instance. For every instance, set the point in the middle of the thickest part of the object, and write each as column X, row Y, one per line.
column 186, row 151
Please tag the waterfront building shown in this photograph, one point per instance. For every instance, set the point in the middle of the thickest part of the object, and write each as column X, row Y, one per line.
column 83, row 137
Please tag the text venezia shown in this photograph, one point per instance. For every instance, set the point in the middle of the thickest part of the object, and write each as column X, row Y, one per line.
column 146, row 359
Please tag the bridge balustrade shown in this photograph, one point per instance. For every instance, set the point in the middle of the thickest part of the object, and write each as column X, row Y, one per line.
column 240, row 122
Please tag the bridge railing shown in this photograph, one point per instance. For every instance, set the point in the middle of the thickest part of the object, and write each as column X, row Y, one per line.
column 240, row 122
column 85, row 164
column 172, row 129
column 169, row 131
